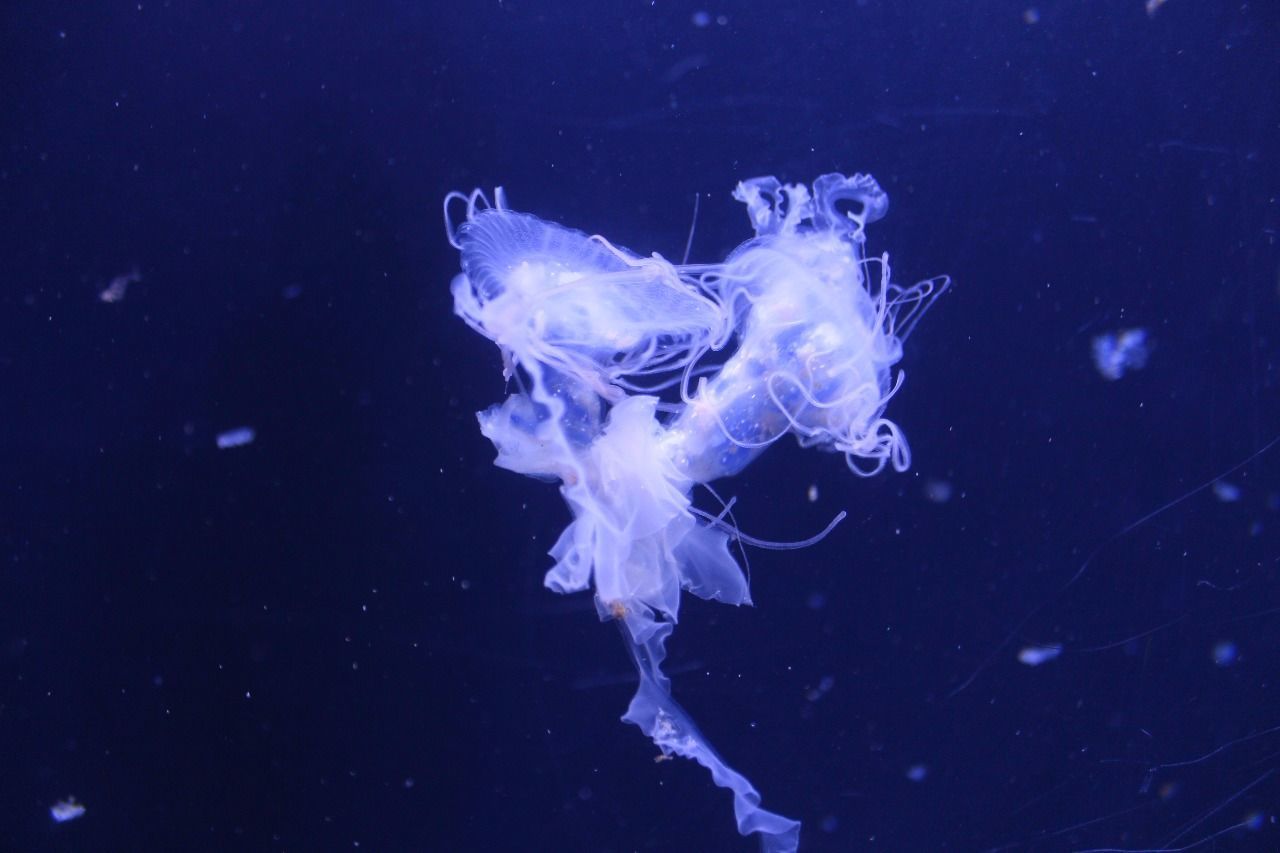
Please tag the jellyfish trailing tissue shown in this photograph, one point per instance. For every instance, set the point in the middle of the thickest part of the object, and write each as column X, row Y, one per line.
column 639, row 379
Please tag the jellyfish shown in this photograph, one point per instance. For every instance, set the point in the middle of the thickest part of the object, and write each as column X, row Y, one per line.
column 637, row 379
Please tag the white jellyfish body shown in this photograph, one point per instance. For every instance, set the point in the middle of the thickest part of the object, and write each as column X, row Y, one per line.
column 795, row 332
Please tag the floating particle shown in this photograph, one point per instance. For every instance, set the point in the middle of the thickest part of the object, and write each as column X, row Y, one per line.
column 1036, row 655
column 823, row 688
column 917, row 772
column 237, row 437
column 1225, row 653
column 685, row 66
column 1226, row 492
column 1116, row 352
column 813, row 493
column 938, row 491
column 115, row 291
column 65, row 810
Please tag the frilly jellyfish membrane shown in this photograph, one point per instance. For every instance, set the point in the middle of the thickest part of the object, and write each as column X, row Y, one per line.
column 796, row 331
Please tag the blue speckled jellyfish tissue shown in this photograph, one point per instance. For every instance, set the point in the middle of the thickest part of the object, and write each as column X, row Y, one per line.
column 811, row 329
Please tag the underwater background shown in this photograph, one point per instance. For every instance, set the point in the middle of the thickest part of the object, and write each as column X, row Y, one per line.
column 263, row 589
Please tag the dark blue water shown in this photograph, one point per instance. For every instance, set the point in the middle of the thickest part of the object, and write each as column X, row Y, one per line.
column 335, row 637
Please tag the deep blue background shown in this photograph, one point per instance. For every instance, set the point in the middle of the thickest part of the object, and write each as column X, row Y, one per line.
column 337, row 635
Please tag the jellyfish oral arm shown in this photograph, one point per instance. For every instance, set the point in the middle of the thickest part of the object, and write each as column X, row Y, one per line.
column 815, row 330
column 660, row 717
